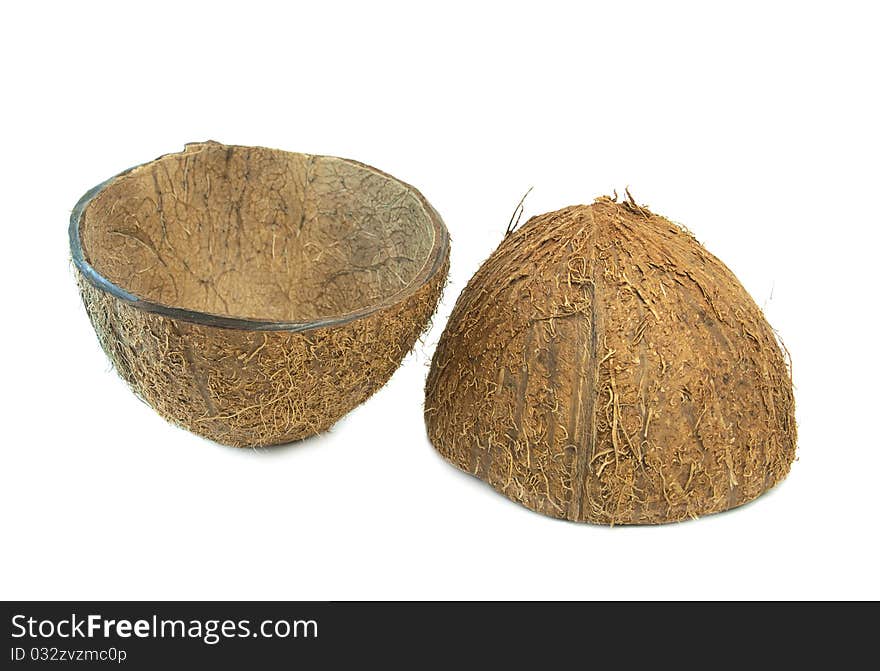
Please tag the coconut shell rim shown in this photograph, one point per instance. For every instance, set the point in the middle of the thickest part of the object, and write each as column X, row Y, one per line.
column 433, row 262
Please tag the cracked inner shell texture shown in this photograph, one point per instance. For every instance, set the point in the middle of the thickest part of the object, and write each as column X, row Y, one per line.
column 255, row 296
column 602, row 366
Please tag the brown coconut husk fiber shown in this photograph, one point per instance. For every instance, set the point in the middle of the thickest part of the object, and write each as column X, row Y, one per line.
column 255, row 296
column 602, row 366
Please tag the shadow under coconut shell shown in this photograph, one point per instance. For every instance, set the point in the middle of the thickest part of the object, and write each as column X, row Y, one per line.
column 278, row 449
column 483, row 486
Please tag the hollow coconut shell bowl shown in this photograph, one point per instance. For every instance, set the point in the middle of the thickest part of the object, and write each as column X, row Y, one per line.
column 602, row 366
column 255, row 296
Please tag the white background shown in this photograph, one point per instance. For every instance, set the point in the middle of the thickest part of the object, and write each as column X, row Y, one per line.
column 756, row 126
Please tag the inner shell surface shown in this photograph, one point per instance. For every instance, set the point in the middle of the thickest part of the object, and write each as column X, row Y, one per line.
column 257, row 233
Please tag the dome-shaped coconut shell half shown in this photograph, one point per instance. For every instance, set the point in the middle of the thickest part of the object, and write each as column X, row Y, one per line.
column 255, row 296
column 602, row 366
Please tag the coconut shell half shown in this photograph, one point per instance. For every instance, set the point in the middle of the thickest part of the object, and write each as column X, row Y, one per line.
column 255, row 296
column 602, row 366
